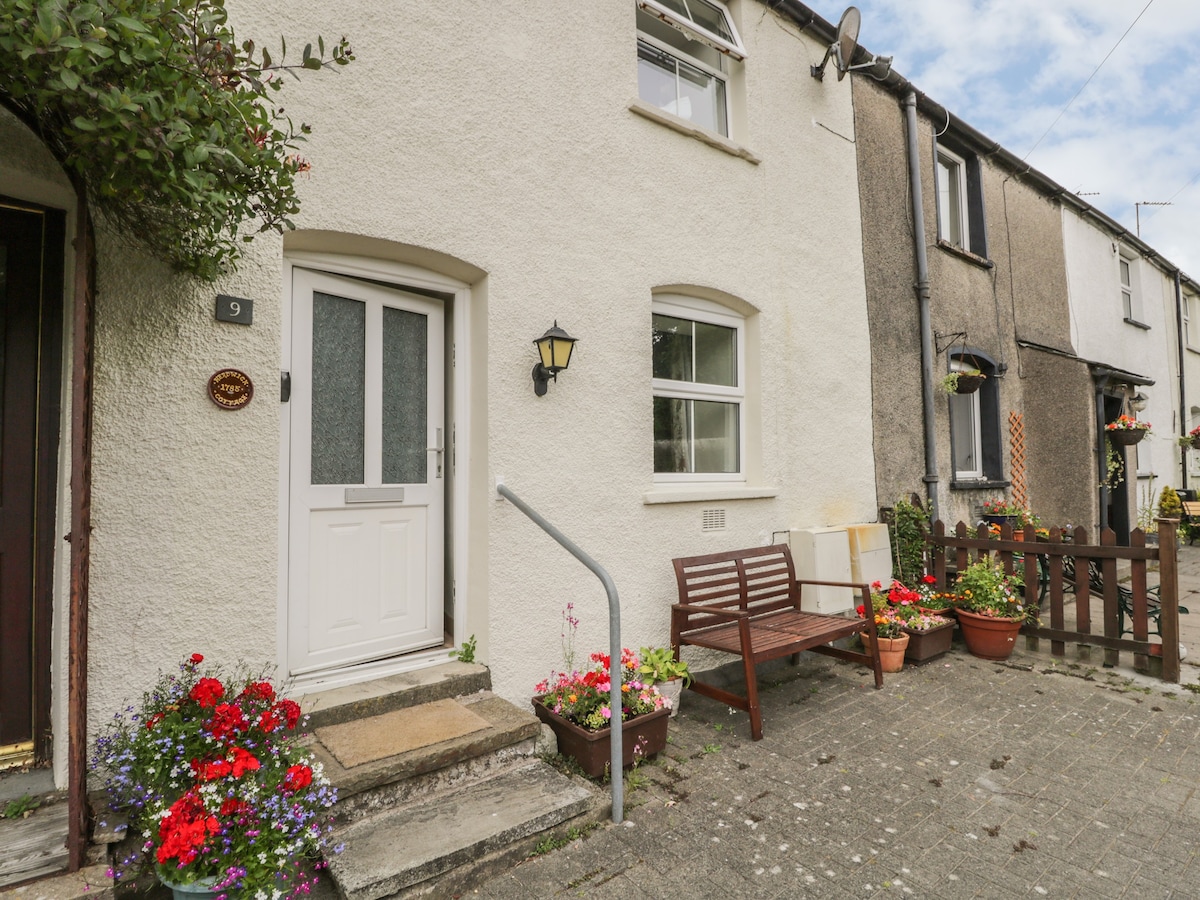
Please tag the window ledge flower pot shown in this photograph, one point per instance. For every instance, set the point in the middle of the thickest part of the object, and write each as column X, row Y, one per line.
column 926, row 645
column 989, row 637
column 642, row 735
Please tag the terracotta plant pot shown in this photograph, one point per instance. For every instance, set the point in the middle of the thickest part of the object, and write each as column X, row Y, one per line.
column 988, row 637
column 1125, row 437
column 925, row 645
column 891, row 651
column 645, row 735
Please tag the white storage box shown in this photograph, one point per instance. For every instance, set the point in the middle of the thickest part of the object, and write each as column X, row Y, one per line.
column 823, row 554
column 870, row 553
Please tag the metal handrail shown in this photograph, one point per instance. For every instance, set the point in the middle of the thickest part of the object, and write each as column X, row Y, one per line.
column 614, row 646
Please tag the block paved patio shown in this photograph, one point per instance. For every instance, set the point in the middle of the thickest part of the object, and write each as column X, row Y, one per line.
column 1037, row 777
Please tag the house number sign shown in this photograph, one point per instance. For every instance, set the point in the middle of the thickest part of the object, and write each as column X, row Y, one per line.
column 230, row 389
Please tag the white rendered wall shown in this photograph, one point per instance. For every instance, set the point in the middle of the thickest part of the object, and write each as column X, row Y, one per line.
column 500, row 135
column 1101, row 334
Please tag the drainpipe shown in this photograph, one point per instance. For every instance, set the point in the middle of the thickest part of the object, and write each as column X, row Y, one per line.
column 1102, row 448
column 1183, row 422
column 922, row 287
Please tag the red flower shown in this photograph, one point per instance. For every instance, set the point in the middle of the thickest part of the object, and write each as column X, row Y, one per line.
column 154, row 719
column 231, row 806
column 197, row 659
column 260, row 690
column 184, row 829
column 211, row 769
column 297, row 778
column 269, row 721
column 928, row 579
column 226, row 720
column 290, row 710
column 207, row 692
column 244, row 761
column 861, row 610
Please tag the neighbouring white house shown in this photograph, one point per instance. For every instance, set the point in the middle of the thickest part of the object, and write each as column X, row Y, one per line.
column 1124, row 301
column 664, row 181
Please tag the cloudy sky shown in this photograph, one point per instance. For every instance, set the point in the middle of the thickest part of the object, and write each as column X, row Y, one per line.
column 1009, row 67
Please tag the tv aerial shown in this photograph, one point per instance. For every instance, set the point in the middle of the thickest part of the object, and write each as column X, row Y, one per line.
column 843, row 47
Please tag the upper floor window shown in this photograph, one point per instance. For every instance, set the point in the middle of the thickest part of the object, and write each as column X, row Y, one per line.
column 1191, row 321
column 684, row 50
column 960, row 202
column 1131, row 297
column 699, row 390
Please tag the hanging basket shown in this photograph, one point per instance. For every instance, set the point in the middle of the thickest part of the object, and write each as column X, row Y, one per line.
column 1195, row 442
column 1125, row 437
column 968, row 384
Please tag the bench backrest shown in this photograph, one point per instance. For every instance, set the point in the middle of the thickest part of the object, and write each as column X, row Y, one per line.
column 757, row 579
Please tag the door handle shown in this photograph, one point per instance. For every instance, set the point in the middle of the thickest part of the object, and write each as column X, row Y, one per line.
column 440, row 450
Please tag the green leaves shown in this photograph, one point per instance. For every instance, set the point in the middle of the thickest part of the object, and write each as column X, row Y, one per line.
column 162, row 114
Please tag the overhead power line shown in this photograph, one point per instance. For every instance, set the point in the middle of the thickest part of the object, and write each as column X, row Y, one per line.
column 1089, row 80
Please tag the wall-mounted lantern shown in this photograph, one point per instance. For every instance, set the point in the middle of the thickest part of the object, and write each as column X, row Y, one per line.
column 555, row 347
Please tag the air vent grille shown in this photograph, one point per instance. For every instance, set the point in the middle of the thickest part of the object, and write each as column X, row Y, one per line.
column 712, row 520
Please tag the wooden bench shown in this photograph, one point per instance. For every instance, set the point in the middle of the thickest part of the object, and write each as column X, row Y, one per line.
column 1191, row 518
column 747, row 602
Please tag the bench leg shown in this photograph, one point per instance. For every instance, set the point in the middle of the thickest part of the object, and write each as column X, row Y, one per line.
column 756, row 729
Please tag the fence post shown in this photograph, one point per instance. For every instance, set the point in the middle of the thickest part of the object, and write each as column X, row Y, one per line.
column 1168, row 595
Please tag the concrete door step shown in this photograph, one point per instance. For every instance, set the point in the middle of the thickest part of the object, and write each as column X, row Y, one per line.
column 371, row 698
column 373, row 762
column 462, row 834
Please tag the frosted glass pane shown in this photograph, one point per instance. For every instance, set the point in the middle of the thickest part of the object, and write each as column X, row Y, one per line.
column 405, row 396
column 339, row 358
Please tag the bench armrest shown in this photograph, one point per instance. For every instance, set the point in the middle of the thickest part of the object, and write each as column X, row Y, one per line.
column 865, row 589
column 710, row 611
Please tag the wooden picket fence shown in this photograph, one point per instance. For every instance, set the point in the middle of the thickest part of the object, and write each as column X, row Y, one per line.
column 1053, row 570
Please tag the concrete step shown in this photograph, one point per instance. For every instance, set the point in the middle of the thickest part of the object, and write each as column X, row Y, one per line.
column 438, row 845
column 371, row 698
column 358, row 762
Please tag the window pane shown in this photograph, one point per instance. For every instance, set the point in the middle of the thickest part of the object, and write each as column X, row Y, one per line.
column 710, row 18
column 1125, row 281
column 656, row 77
column 716, row 354
column 339, row 357
column 672, row 348
column 672, row 431
column 405, row 396
column 701, row 98
column 716, row 430
column 950, row 201
column 964, row 413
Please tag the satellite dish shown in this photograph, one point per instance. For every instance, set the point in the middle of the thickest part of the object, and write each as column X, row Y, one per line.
column 844, row 46
column 847, row 39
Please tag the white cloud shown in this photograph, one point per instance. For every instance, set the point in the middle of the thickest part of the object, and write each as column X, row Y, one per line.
column 1009, row 67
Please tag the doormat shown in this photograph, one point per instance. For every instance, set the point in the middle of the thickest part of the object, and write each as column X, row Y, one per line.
column 399, row 731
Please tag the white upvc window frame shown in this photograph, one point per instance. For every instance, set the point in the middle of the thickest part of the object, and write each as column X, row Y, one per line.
column 970, row 404
column 1127, row 276
column 698, row 310
column 956, row 174
column 686, row 24
column 1191, row 321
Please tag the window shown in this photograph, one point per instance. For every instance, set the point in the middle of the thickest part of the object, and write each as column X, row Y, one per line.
column 684, row 50
column 965, row 431
column 1131, row 299
column 975, row 436
column 699, row 390
column 960, row 202
column 1191, row 321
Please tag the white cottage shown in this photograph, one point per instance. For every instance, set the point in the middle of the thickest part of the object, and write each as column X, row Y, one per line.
column 663, row 180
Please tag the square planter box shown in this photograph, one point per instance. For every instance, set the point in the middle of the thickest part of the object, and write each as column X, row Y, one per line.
column 925, row 645
column 591, row 749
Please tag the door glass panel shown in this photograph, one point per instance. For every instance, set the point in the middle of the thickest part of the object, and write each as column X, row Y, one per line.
column 405, row 396
column 339, row 356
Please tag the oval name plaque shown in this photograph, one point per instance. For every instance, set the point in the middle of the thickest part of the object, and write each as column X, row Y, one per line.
column 230, row 389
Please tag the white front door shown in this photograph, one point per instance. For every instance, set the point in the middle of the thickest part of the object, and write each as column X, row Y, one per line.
column 366, row 541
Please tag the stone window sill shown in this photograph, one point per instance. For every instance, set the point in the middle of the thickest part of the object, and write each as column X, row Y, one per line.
column 683, row 126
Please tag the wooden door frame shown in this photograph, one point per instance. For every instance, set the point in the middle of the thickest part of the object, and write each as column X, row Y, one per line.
column 49, row 408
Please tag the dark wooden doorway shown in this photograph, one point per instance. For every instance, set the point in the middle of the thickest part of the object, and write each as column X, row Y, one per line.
column 31, row 306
